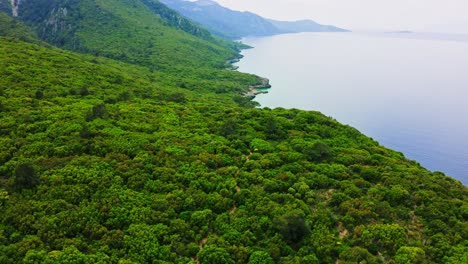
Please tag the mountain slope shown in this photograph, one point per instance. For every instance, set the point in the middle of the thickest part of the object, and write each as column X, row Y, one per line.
column 142, row 32
column 5, row 6
column 107, row 162
column 232, row 24
column 10, row 27
column 222, row 21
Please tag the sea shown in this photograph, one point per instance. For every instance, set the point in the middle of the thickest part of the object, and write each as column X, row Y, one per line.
column 408, row 91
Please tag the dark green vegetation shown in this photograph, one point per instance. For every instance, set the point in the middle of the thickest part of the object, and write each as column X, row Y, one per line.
column 103, row 161
column 13, row 28
column 232, row 24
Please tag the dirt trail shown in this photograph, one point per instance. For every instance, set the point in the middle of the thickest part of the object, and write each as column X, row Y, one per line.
column 200, row 245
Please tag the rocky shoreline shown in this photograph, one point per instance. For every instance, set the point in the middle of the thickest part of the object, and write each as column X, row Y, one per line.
column 257, row 89
column 232, row 61
column 260, row 88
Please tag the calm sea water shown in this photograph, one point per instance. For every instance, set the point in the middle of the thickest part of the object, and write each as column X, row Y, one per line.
column 407, row 91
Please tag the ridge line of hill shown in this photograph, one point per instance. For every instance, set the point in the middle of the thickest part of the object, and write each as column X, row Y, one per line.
column 231, row 24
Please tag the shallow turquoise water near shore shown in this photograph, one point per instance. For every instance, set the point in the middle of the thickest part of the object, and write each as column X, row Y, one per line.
column 407, row 91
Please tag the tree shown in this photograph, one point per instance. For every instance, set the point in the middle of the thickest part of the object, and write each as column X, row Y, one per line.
column 261, row 145
column 272, row 130
column 260, row 257
column 357, row 255
column 25, row 177
column 292, row 227
column 98, row 111
column 310, row 259
column 214, row 255
column 39, row 94
column 458, row 254
column 3, row 197
column 177, row 98
column 318, row 152
column 410, row 255
column 84, row 91
column 229, row 128
column 384, row 236
column 143, row 243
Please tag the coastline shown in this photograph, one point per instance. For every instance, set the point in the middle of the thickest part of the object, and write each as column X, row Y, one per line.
column 260, row 88
column 389, row 134
column 231, row 61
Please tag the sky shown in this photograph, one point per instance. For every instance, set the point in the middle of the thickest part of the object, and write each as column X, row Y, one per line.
column 442, row 16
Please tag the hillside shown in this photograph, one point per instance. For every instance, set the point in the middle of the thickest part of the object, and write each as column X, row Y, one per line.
column 142, row 32
column 13, row 28
column 106, row 161
column 114, row 166
column 233, row 24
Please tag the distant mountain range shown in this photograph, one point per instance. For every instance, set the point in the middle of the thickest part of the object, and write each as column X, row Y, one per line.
column 232, row 24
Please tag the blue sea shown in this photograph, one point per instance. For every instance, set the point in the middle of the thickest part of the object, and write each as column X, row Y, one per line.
column 408, row 91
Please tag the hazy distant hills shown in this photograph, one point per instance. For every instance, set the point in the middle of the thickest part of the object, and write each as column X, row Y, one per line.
column 232, row 24
column 304, row 26
column 222, row 21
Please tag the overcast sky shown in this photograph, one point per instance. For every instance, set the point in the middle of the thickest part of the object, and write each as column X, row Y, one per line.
column 418, row 15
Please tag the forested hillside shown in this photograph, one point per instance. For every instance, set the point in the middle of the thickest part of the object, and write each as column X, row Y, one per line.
column 135, row 31
column 15, row 29
column 107, row 161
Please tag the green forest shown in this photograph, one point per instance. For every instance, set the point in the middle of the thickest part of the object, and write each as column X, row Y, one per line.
column 124, row 138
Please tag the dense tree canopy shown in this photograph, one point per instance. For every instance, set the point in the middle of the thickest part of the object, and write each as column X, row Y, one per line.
column 130, row 172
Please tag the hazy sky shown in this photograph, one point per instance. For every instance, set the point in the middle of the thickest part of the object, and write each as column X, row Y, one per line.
column 419, row 15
